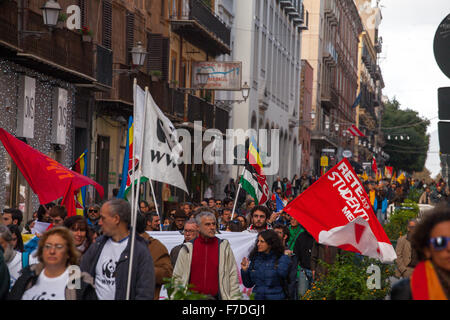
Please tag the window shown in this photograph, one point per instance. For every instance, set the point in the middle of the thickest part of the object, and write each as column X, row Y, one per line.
column 106, row 23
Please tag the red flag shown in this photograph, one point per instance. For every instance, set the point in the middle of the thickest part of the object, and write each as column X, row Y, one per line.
column 354, row 131
column 374, row 165
column 48, row 178
column 336, row 211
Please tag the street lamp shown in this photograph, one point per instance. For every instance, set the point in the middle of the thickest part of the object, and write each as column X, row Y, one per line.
column 245, row 91
column 327, row 124
column 50, row 13
column 313, row 115
column 336, row 126
column 138, row 54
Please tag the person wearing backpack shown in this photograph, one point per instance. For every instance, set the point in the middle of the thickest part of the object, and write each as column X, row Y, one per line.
column 266, row 269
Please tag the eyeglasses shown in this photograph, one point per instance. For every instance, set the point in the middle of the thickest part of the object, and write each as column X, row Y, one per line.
column 57, row 247
column 190, row 231
column 439, row 243
column 92, row 210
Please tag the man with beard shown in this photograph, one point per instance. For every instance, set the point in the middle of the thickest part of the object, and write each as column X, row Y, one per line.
column 259, row 216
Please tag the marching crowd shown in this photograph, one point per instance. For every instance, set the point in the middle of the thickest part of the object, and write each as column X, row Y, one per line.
column 283, row 263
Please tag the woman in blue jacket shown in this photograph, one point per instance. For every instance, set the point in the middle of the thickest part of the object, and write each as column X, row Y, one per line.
column 267, row 267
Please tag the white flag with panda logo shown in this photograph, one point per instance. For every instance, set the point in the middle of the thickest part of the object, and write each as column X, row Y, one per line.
column 161, row 149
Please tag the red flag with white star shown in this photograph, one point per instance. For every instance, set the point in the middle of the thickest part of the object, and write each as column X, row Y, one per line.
column 336, row 211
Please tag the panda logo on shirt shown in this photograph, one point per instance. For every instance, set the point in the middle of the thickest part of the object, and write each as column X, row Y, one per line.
column 108, row 269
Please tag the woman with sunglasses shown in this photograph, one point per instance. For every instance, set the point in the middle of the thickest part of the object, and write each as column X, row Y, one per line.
column 430, row 279
column 49, row 279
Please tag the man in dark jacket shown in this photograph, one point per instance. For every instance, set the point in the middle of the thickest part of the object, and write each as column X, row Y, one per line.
column 107, row 260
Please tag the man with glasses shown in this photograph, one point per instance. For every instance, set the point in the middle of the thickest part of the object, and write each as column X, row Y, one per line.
column 190, row 233
column 406, row 257
column 93, row 214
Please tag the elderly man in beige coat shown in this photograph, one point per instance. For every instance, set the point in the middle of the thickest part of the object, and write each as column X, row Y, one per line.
column 208, row 263
column 406, row 260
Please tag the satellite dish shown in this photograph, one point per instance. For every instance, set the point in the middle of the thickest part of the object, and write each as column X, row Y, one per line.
column 441, row 46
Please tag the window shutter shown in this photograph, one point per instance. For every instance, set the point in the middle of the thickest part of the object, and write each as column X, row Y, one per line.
column 165, row 58
column 129, row 36
column 107, row 23
column 83, row 9
column 155, row 52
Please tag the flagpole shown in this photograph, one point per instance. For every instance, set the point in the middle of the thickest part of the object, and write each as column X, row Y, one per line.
column 237, row 196
column 134, row 196
column 156, row 202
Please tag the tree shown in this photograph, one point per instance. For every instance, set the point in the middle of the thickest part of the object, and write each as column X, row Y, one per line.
column 407, row 154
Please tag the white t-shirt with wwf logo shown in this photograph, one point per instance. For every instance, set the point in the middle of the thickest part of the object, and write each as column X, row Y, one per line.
column 48, row 288
column 105, row 278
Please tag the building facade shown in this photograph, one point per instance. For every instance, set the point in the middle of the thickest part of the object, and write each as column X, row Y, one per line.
column 42, row 73
column 268, row 43
column 332, row 38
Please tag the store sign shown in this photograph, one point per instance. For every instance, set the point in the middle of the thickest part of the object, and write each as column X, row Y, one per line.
column 347, row 154
column 324, row 161
column 26, row 107
column 59, row 125
column 221, row 75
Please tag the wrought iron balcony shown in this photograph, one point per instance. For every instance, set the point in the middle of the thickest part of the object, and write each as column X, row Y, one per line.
column 200, row 26
column 60, row 52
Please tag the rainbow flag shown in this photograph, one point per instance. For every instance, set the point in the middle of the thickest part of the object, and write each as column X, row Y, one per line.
column 80, row 197
column 127, row 162
column 253, row 179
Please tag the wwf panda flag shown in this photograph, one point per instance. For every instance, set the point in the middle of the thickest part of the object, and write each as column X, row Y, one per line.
column 161, row 149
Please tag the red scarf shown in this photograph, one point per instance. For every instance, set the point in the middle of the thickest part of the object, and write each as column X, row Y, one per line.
column 205, row 265
column 425, row 284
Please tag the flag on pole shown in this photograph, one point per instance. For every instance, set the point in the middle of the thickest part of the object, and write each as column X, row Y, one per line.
column 374, row 165
column 336, row 211
column 401, row 178
column 365, row 177
column 253, row 179
column 127, row 162
column 388, row 172
column 161, row 149
column 394, row 177
column 81, row 168
column 280, row 204
column 49, row 179
column 354, row 131
column 357, row 101
column 379, row 175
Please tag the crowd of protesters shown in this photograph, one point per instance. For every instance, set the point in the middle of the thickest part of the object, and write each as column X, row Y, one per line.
column 283, row 263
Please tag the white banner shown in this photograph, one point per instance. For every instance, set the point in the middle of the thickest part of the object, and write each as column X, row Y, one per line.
column 241, row 244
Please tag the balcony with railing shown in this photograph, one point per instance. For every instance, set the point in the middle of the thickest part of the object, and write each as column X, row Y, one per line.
column 199, row 25
column 331, row 12
column 60, row 52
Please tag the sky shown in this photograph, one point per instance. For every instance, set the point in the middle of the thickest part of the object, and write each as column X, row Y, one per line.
column 409, row 69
